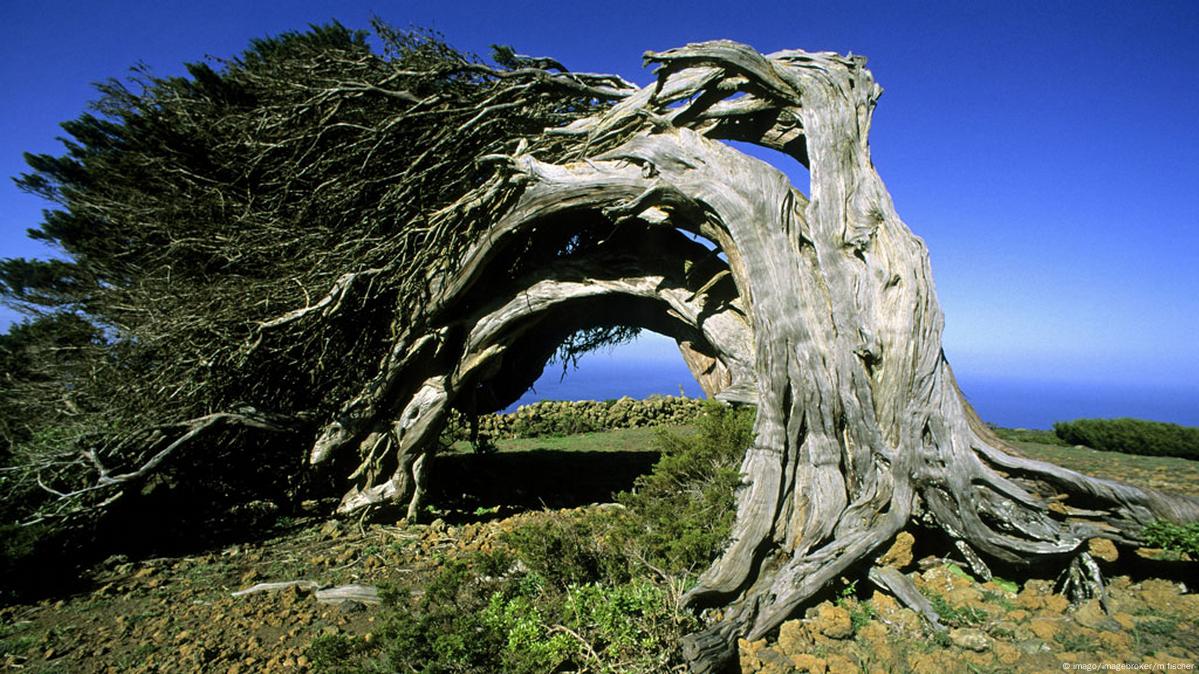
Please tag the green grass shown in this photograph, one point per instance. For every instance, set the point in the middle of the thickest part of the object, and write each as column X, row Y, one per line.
column 621, row 440
column 1036, row 435
column 1158, row 472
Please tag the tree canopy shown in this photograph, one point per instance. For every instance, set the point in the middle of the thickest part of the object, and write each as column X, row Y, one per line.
column 253, row 235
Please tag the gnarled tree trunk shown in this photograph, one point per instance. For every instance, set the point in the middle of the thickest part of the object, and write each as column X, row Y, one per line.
column 817, row 308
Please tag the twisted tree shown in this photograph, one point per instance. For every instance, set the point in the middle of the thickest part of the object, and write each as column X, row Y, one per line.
column 349, row 247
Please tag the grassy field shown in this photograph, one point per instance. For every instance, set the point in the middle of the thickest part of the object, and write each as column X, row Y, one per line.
column 1180, row 476
column 1166, row 473
column 621, row 440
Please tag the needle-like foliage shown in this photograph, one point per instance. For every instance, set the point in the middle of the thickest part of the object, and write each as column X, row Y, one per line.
column 251, row 238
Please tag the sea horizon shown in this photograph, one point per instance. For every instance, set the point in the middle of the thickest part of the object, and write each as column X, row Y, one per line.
column 1012, row 402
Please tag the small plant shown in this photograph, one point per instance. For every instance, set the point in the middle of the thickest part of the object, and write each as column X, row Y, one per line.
column 443, row 630
column 1075, row 642
column 998, row 599
column 860, row 612
column 1174, row 537
column 956, row 616
column 485, row 512
column 16, row 644
column 330, row 653
column 634, row 625
column 959, row 572
column 1155, row 634
column 939, row 639
column 1006, row 585
column 528, row 644
column 570, row 549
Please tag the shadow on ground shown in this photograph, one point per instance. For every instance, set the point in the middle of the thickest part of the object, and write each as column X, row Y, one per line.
column 464, row 486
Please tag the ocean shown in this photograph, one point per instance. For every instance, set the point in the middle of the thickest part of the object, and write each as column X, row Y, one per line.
column 1015, row 403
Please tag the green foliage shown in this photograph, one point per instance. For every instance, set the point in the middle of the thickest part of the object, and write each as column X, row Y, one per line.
column 1174, row 537
column 592, row 589
column 530, row 645
column 959, row 571
column 572, row 548
column 1131, row 436
column 998, row 599
column 443, row 629
column 200, row 217
column 954, row 616
column 469, row 620
column 1006, row 585
column 635, row 625
column 44, row 380
column 330, row 653
column 1159, row 632
column 1076, row 642
column 860, row 612
column 684, row 509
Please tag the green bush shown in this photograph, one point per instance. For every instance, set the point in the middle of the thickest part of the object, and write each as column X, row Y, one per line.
column 572, row 548
column 631, row 627
column 529, row 642
column 330, row 653
column 573, row 591
column 684, row 509
column 443, row 630
column 1175, row 537
column 469, row 621
column 1131, row 436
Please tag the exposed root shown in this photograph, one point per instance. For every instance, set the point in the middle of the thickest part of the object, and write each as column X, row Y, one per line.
column 976, row 564
column 1082, row 580
column 901, row 587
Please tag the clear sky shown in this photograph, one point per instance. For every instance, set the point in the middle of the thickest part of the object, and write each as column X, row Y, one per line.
column 1047, row 151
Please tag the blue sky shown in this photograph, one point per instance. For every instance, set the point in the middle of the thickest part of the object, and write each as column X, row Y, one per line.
column 1046, row 151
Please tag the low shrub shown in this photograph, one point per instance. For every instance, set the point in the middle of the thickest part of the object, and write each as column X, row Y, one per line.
column 684, row 508
column 329, row 653
column 1131, row 436
column 595, row 589
column 441, row 631
column 573, row 548
column 519, row 623
column 1174, row 537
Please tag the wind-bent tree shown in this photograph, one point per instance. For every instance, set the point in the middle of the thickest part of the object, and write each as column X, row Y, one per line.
column 346, row 247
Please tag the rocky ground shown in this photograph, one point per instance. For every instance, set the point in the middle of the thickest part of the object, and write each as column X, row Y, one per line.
column 179, row 614
column 993, row 626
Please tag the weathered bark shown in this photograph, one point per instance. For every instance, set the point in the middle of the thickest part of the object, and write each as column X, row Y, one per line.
column 821, row 311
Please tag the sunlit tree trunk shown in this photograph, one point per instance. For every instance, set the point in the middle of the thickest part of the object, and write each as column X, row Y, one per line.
column 821, row 312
